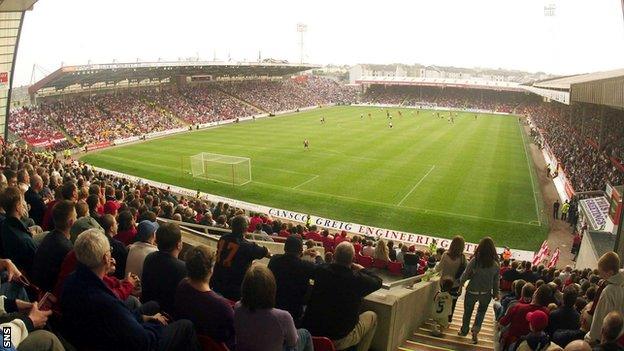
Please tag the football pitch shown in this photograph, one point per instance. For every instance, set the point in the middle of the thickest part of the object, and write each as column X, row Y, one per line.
column 425, row 175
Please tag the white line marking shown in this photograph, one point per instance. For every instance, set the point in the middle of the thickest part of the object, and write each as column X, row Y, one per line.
column 386, row 204
column 306, row 182
column 417, row 184
column 285, row 170
column 526, row 154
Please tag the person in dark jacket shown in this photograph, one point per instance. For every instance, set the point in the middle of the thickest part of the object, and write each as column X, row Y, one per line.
column 17, row 241
column 565, row 317
column 334, row 307
column 234, row 256
column 211, row 314
column 292, row 275
column 56, row 244
column 120, row 253
column 162, row 270
column 528, row 275
column 94, row 318
column 94, row 202
column 34, row 199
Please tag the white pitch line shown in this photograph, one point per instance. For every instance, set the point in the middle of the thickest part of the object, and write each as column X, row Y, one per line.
column 417, row 184
column 306, row 182
column 526, row 154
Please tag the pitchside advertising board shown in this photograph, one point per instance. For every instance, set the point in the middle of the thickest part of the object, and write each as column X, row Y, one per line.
column 331, row 224
column 597, row 210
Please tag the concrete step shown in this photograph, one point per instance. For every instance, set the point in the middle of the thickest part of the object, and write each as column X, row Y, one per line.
column 487, row 333
column 423, row 340
column 416, row 341
column 452, row 336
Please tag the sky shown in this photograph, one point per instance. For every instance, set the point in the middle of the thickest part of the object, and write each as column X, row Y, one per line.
column 583, row 35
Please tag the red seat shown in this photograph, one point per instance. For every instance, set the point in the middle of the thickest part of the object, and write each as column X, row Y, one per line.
column 322, row 344
column 381, row 264
column 395, row 268
column 208, row 344
column 365, row 261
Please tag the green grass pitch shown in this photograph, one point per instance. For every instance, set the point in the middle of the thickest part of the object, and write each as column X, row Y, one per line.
column 424, row 175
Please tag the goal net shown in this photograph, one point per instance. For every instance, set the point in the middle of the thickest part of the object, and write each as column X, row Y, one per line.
column 221, row 168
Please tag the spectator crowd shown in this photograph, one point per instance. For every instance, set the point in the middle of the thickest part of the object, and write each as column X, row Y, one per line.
column 108, row 116
column 461, row 98
column 120, row 280
column 587, row 166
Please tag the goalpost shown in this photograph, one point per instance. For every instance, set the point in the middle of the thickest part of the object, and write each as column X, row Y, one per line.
column 221, row 168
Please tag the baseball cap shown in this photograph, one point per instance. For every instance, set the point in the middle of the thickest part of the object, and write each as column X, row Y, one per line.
column 145, row 230
column 538, row 320
column 293, row 244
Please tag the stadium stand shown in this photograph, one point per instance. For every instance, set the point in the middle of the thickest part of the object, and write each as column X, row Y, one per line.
column 107, row 117
column 499, row 101
column 274, row 96
column 32, row 124
column 586, row 163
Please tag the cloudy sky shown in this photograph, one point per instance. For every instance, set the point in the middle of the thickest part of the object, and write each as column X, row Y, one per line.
column 583, row 36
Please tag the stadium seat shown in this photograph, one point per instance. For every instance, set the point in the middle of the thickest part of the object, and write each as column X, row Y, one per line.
column 395, row 268
column 381, row 264
column 208, row 344
column 322, row 344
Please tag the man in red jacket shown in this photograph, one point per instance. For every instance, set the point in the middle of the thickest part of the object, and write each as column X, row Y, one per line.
column 313, row 234
column 516, row 316
column 340, row 238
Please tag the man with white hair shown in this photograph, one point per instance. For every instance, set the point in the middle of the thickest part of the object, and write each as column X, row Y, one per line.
column 94, row 318
column 333, row 309
column 578, row 345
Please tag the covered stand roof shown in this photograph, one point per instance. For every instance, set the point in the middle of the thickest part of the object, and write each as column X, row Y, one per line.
column 110, row 74
column 600, row 88
column 566, row 82
column 474, row 83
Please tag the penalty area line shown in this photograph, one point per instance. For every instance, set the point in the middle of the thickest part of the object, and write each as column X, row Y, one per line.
column 414, row 187
column 306, row 182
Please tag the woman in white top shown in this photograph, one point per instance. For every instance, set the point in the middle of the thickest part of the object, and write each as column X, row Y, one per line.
column 452, row 264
